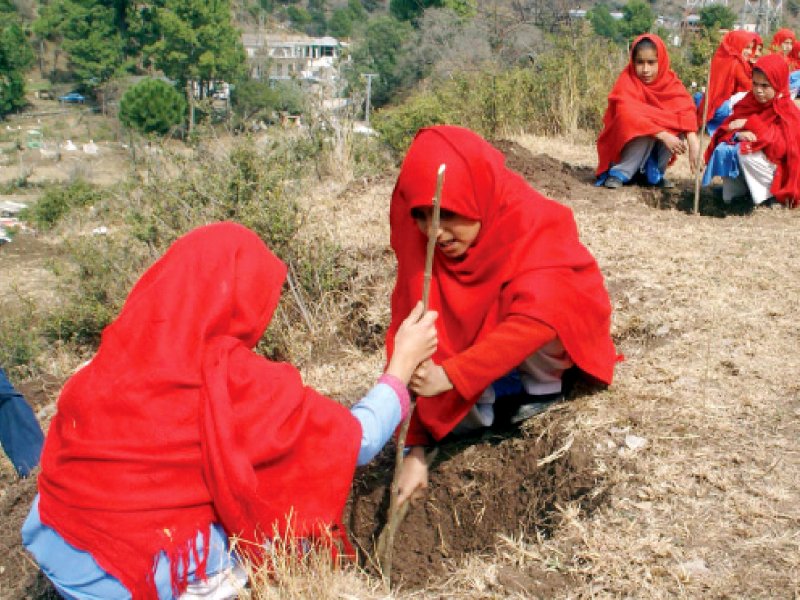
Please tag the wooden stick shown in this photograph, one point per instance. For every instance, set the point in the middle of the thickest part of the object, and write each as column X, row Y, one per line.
column 699, row 170
column 397, row 513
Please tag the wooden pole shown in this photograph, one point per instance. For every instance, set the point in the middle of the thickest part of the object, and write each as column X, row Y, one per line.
column 699, row 170
column 397, row 513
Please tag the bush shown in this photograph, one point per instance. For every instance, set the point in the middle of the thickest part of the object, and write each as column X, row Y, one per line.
column 20, row 344
column 59, row 200
column 564, row 90
column 152, row 106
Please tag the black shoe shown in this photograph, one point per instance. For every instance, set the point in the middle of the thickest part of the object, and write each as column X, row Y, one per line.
column 613, row 183
column 514, row 409
column 537, row 405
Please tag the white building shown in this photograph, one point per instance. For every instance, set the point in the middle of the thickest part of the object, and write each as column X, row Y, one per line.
column 281, row 57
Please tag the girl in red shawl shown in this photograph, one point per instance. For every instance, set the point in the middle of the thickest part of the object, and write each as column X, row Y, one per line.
column 758, row 48
column 177, row 435
column 782, row 43
column 650, row 119
column 520, row 299
column 794, row 56
column 794, row 75
column 756, row 150
column 731, row 72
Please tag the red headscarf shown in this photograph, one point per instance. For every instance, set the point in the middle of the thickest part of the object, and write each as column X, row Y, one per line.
column 176, row 423
column 526, row 260
column 730, row 71
column 775, row 125
column 777, row 40
column 636, row 109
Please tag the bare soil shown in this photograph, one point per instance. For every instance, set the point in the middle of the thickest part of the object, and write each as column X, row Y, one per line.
column 681, row 480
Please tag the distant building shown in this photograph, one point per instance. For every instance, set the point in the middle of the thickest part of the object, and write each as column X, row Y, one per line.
column 276, row 57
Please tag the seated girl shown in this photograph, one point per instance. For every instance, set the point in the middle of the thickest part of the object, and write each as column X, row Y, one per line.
column 794, row 71
column 520, row 299
column 650, row 120
column 177, row 435
column 756, row 150
column 782, row 43
column 730, row 74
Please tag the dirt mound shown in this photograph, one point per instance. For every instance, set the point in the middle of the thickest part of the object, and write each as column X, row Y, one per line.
column 506, row 482
column 549, row 176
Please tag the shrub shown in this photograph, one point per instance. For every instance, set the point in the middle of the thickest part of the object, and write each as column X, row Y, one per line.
column 57, row 201
column 562, row 91
column 20, row 343
column 152, row 106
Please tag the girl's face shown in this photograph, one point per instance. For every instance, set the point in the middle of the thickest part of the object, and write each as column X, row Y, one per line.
column 645, row 63
column 756, row 53
column 455, row 234
column 747, row 53
column 786, row 46
column 762, row 89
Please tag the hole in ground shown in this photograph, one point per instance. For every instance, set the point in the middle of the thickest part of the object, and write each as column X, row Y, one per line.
column 494, row 485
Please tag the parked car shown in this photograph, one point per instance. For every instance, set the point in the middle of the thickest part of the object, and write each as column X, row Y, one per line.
column 72, row 98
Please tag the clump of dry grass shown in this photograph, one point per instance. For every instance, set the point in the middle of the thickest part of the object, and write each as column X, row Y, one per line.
column 293, row 571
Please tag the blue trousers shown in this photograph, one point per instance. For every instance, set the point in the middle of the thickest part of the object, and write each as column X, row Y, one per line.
column 20, row 434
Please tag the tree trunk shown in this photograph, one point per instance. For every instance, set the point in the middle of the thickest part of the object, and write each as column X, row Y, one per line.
column 190, row 100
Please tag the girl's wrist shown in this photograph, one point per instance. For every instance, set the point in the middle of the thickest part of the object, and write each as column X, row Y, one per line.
column 400, row 390
column 401, row 369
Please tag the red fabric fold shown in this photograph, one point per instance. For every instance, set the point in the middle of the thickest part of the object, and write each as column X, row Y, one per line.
column 527, row 261
column 730, row 71
column 775, row 124
column 636, row 109
column 176, row 423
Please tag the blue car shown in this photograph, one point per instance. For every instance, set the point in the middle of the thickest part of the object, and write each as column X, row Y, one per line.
column 72, row 98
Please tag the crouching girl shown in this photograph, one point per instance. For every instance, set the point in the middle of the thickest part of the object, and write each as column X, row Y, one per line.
column 520, row 299
column 177, row 435
column 756, row 150
column 650, row 120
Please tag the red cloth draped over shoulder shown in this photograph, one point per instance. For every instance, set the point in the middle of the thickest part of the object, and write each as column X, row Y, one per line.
column 176, row 423
column 527, row 260
column 636, row 109
column 730, row 71
column 794, row 56
column 775, row 125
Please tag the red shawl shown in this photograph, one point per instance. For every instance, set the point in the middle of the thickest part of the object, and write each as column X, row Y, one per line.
column 176, row 423
column 775, row 125
column 527, row 260
column 636, row 109
column 730, row 71
column 794, row 57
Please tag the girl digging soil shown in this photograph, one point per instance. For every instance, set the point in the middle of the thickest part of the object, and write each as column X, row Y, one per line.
column 177, row 435
column 520, row 299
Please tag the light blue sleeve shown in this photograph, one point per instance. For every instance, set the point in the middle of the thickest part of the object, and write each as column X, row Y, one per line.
column 379, row 415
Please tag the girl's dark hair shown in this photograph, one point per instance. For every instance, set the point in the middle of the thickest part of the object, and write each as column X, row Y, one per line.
column 644, row 44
